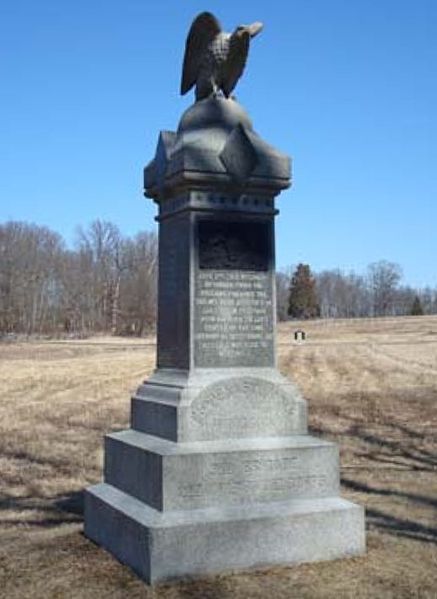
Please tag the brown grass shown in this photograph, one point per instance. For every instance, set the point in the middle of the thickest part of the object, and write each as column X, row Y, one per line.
column 371, row 386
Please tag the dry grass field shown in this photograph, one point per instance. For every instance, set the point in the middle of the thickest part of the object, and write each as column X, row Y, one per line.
column 371, row 386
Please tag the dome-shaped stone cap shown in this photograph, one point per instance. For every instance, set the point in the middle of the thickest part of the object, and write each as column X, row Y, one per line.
column 222, row 113
column 215, row 147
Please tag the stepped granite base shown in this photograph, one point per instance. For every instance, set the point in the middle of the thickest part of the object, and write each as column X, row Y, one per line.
column 164, row 545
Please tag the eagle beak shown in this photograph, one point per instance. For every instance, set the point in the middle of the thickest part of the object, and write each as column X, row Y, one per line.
column 255, row 28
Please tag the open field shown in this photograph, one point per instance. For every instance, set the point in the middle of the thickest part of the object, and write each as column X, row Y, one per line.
column 371, row 386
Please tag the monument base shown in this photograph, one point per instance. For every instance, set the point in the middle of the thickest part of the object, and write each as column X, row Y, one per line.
column 164, row 545
column 171, row 509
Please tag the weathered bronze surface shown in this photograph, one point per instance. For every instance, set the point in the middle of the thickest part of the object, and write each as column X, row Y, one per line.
column 214, row 60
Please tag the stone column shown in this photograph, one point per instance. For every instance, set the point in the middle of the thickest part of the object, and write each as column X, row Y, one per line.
column 215, row 183
column 217, row 470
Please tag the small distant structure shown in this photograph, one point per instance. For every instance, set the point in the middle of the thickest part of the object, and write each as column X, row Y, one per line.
column 299, row 335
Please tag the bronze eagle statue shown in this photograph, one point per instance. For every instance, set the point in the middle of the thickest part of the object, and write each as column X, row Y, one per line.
column 215, row 60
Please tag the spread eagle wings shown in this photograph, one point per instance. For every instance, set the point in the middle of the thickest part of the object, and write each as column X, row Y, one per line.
column 204, row 29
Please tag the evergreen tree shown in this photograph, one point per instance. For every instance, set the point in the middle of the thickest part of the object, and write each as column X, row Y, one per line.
column 302, row 299
column 416, row 308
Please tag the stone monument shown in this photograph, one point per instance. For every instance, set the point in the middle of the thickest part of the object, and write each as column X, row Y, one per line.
column 217, row 471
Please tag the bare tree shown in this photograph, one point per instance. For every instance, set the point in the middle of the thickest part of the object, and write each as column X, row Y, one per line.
column 283, row 278
column 342, row 296
column 101, row 243
column 108, row 283
column 384, row 278
column 30, row 260
column 139, row 289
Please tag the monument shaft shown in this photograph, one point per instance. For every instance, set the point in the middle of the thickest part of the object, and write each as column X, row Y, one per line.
column 216, row 284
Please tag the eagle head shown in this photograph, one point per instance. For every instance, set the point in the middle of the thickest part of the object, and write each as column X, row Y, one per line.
column 252, row 29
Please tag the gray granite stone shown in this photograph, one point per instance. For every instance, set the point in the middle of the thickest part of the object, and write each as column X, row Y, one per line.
column 184, row 476
column 174, row 292
column 218, row 403
column 165, row 545
column 217, row 470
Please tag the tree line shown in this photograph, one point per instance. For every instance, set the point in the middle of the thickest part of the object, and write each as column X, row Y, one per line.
column 335, row 294
column 108, row 283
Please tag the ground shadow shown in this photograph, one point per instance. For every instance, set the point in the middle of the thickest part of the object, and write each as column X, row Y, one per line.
column 383, row 449
column 401, row 527
column 363, row 488
column 43, row 511
column 72, row 503
column 392, row 445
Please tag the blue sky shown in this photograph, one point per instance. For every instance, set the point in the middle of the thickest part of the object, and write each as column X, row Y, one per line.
column 348, row 88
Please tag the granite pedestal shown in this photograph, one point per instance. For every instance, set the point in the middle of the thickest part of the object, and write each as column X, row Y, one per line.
column 217, row 471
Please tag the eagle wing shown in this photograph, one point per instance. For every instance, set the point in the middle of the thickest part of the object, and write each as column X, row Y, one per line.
column 236, row 60
column 203, row 30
